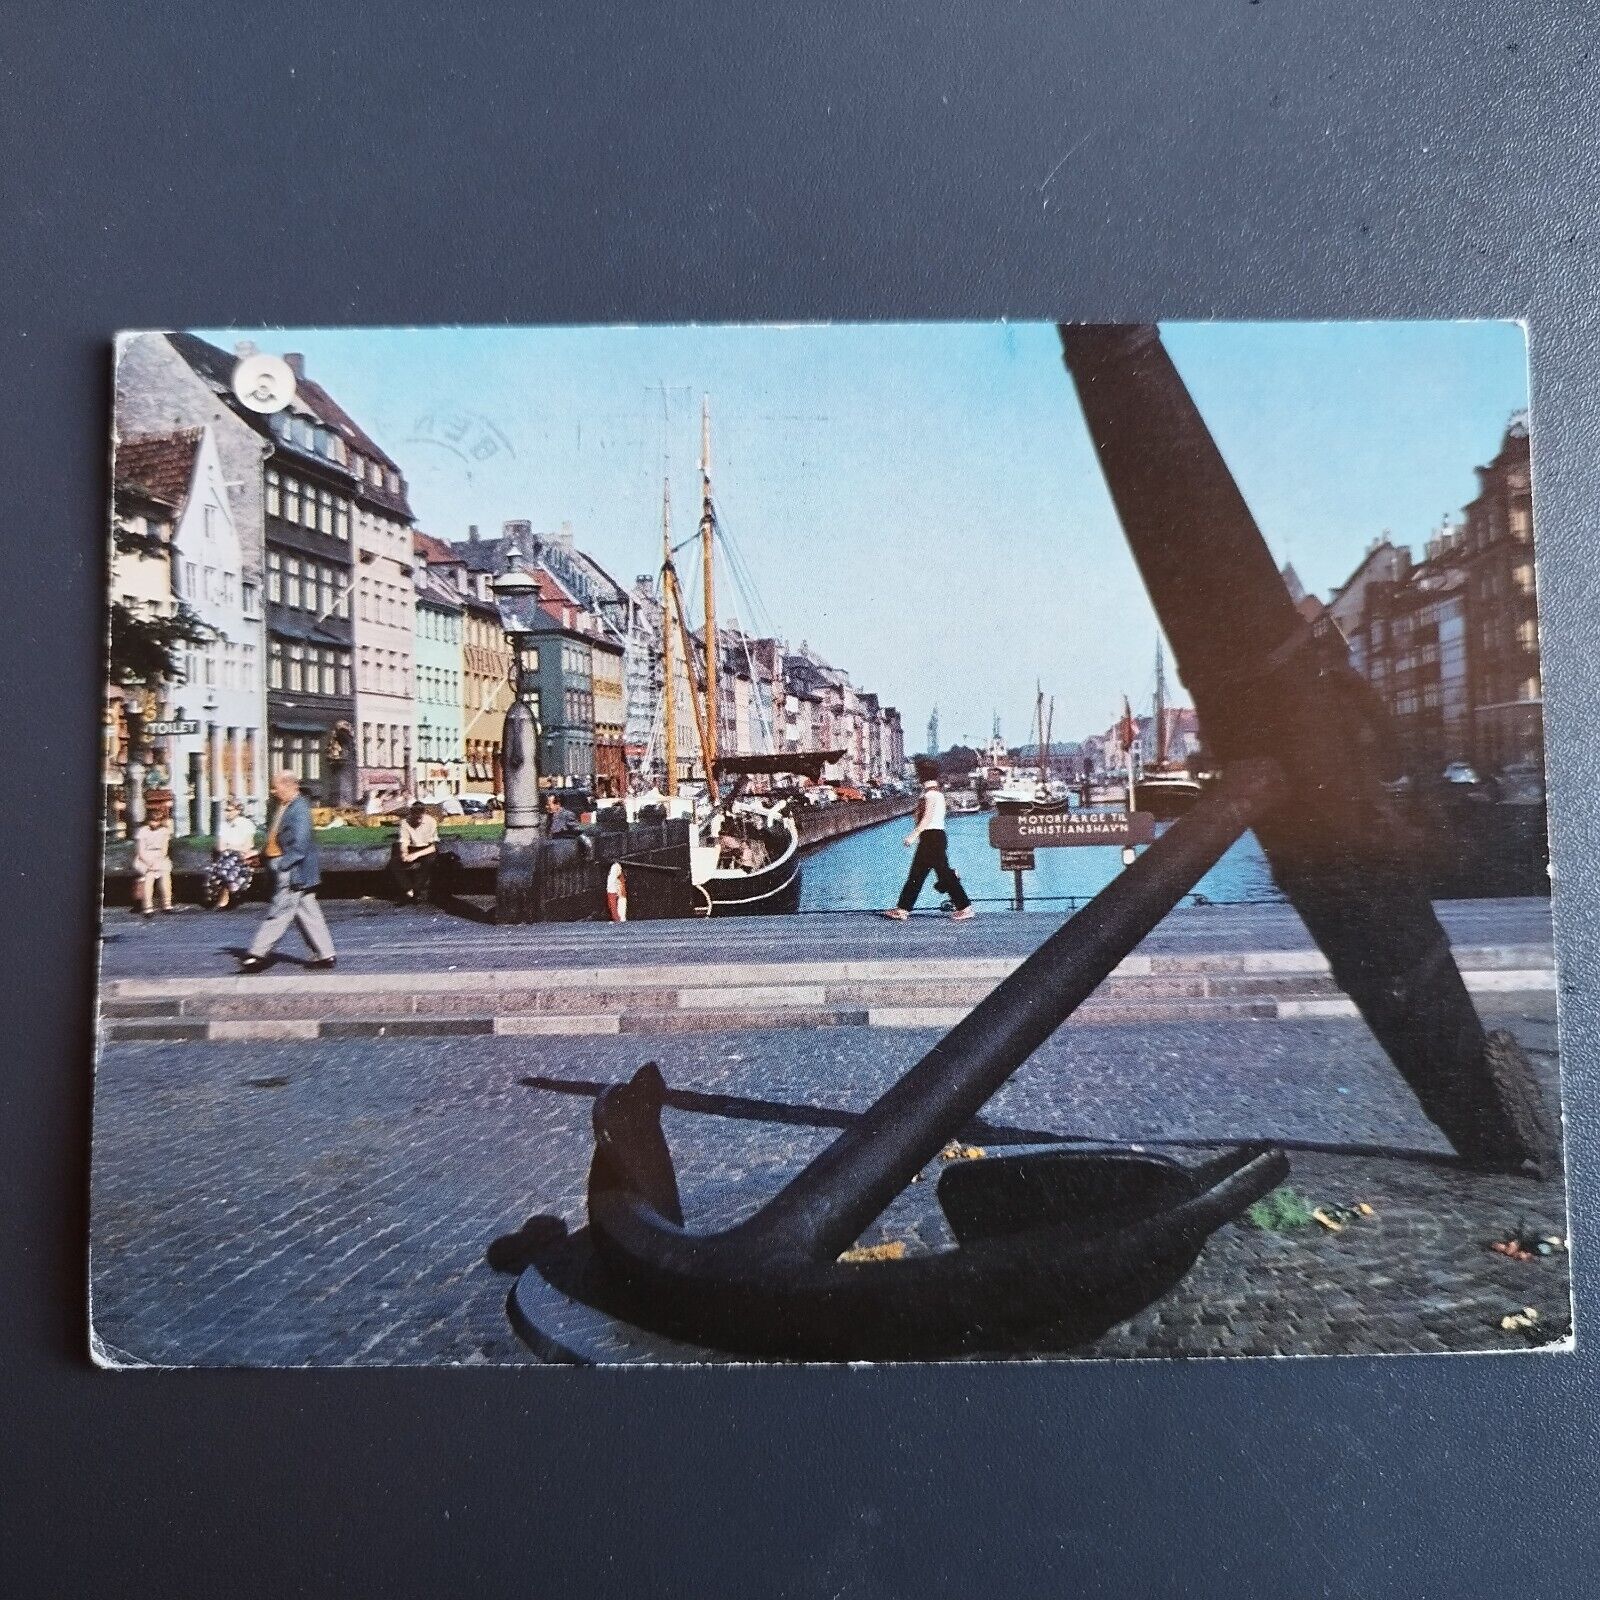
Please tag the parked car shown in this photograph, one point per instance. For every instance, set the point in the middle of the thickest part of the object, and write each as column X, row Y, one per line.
column 1460, row 772
column 477, row 805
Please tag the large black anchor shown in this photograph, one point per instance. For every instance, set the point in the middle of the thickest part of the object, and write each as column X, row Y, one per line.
column 1054, row 1247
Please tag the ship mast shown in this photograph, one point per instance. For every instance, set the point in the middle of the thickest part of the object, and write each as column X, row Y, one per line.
column 1161, row 706
column 707, row 530
column 1038, row 717
column 669, row 697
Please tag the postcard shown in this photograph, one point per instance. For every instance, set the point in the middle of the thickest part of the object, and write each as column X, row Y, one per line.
column 681, row 845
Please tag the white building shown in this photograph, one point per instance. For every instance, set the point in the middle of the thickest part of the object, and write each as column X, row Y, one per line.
column 222, row 690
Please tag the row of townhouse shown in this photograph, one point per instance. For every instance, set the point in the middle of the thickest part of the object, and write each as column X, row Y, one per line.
column 770, row 698
column 343, row 643
column 335, row 639
column 1107, row 752
column 288, row 535
column 1450, row 643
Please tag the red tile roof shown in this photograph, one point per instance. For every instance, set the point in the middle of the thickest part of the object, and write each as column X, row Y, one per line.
column 434, row 551
column 159, row 465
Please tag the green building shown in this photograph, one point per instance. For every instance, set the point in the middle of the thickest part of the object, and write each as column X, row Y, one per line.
column 437, row 737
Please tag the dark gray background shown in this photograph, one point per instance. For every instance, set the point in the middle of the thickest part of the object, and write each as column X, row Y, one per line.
column 228, row 164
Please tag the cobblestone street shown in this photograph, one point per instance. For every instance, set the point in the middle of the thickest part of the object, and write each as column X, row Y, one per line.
column 331, row 1201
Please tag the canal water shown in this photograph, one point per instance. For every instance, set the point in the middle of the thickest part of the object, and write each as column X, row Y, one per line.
column 864, row 871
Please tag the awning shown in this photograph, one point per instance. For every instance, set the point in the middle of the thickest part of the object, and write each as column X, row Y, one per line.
column 809, row 763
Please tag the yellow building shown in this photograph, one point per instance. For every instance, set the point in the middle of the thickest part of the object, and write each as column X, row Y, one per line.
column 610, row 716
column 485, row 692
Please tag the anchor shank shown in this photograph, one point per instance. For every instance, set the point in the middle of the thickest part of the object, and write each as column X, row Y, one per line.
column 1266, row 683
column 826, row 1206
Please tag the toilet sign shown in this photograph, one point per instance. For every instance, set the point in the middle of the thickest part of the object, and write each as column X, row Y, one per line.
column 171, row 728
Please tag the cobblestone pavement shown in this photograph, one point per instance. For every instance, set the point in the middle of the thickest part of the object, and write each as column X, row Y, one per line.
column 331, row 1202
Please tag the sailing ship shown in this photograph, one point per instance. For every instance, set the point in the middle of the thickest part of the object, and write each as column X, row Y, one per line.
column 744, row 850
column 1036, row 792
column 1164, row 788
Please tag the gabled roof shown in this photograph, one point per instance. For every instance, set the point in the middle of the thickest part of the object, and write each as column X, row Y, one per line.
column 159, row 465
column 215, row 366
column 331, row 414
column 481, row 555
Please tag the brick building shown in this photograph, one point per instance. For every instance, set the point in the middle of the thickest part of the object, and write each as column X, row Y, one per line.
column 1451, row 643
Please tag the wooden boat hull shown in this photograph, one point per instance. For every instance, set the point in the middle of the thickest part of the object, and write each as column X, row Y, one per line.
column 772, row 890
column 1165, row 800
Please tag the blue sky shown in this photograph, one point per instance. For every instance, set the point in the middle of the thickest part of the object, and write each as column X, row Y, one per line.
column 920, row 501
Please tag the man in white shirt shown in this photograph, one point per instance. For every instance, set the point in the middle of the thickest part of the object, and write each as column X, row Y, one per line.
column 932, row 853
column 418, row 850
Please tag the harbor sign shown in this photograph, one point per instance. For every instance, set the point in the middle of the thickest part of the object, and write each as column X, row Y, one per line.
column 1032, row 830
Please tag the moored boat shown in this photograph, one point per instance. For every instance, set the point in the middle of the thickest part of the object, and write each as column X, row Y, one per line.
column 744, row 850
column 1165, row 794
column 1164, row 788
column 1036, row 792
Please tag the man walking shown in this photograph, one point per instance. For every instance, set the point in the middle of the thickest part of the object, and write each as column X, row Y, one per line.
column 932, row 854
column 290, row 855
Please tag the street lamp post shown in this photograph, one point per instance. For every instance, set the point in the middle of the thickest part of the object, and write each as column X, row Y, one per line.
column 517, row 596
column 133, row 715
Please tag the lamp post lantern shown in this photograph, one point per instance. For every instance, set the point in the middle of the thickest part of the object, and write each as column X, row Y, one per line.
column 516, row 594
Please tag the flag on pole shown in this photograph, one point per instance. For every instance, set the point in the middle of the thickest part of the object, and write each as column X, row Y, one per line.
column 1129, row 730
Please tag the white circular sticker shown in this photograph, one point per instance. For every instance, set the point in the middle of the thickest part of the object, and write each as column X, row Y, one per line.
column 264, row 383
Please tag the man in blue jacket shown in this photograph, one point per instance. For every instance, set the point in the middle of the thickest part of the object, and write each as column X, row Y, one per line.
column 290, row 855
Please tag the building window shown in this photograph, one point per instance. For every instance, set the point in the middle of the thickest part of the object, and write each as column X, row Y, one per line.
column 274, row 494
